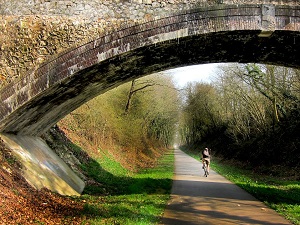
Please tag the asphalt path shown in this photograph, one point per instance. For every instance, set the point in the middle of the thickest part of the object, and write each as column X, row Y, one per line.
column 196, row 199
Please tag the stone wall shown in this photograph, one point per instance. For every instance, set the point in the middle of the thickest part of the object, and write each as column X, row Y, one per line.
column 230, row 33
column 114, row 8
column 34, row 30
column 27, row 41
column 31, row 31
column 127, row 9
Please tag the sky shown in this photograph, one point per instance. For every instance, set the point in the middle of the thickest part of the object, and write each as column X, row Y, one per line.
column 183, row 75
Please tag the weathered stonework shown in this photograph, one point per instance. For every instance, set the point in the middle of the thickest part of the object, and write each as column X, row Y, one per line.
column 227, row 33
column 115, row 8
column 33, row 30
column 27, row 41
column 44, row 43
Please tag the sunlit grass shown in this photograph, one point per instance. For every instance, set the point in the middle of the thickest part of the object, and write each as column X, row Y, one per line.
column 134, row 198
column 126, row 209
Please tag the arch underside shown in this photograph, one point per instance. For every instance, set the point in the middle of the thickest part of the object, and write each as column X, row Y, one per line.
column 244, row 46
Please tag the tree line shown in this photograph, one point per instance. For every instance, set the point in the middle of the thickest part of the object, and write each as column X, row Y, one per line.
column 249, row 112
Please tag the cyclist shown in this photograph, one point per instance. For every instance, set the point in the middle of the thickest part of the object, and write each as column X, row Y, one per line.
column 206, row 157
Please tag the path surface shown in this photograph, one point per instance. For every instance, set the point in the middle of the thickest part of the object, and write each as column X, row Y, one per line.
column 212, row 200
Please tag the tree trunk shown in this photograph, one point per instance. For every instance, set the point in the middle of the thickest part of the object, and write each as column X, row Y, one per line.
column 130, row 94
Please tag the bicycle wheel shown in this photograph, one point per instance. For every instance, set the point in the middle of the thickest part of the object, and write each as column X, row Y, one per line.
column 205, row 169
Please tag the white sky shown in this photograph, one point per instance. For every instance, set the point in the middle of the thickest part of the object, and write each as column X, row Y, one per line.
column 183, row 75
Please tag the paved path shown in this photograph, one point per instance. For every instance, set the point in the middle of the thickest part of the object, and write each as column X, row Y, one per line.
column 212, row 200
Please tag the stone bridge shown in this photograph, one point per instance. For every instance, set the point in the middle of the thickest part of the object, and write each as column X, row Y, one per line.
column 56, row 55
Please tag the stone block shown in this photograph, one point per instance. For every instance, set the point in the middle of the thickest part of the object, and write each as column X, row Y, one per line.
column 147, row 2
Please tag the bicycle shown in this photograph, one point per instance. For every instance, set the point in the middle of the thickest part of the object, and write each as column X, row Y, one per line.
column 205, row 168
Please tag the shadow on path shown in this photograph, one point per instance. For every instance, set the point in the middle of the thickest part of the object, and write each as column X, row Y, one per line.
column 212, row 200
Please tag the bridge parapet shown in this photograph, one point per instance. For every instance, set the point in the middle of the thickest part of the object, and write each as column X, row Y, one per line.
column 226, row 18
column 31, row 31
column 128, row 9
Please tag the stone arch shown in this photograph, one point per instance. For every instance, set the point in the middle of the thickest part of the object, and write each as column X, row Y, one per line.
column 226, row 33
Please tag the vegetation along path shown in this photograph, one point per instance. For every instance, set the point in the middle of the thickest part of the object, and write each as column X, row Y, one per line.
column 197, row 199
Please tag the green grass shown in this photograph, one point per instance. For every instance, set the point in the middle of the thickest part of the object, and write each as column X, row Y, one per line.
column 278, row 193
column 126, row 197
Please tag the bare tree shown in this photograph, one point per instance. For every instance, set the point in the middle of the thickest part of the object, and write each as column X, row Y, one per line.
column 134, row 89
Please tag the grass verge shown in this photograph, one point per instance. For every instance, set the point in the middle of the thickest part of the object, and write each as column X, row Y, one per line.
column 126, row 197
column 276, row 192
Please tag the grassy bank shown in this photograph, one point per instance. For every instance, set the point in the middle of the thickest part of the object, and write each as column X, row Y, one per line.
column 126, row 197
column 278, row 193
